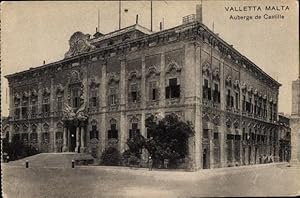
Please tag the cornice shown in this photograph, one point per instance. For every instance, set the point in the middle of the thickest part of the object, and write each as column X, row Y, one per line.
column 190, row 31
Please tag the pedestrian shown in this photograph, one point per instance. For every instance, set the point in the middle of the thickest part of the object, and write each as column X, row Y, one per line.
column 150, row 163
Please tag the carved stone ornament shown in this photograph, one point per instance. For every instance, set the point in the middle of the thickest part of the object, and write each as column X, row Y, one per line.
column 173, row 66
column 216, row 74
column 34, row 92
column 74, row 77
column 152, row 70
column 59, row 88
column 78, row 44
column 69, row 114
column 112, row 77
column 206, row 68
column 236, row 84
column 134, row 74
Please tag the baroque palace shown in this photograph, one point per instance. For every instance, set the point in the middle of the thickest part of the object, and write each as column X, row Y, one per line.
column 108, row 84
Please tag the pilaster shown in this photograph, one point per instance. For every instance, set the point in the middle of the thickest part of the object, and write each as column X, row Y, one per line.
column 162, row 99
column 122, row 128
column 103, row 105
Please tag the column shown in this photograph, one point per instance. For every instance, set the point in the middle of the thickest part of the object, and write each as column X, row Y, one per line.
column 122, row 83
column 65, row 148
column 211, row 148
column 82, row 143
column 77, row 139
column 68, row 139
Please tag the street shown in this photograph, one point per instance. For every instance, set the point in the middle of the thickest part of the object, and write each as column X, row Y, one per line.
column 87, row 181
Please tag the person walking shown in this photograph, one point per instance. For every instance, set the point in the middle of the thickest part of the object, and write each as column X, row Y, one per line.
column 150, row 163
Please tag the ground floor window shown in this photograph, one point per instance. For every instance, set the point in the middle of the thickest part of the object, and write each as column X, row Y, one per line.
column 113, row 132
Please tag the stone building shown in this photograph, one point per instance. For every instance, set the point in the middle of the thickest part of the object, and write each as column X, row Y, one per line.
column 108, row 84
column 295, row 120
column 284, row 135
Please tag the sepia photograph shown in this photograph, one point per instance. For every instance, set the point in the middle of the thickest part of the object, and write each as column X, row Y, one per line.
column 152, row 98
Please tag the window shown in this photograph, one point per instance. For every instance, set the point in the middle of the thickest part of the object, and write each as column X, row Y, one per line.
column 244, row 103
column 216, row 93
column 46, row 106
column 112, row 96
column 206, row 90
column 205, row 133
column 33, row 137
column 17, row 113
column 59, row 103
column 93, row 98
column 45, row 137
column 17, row 108
column 237, row 100
column 94, row 132
column 228, row 98
column 24, row 108
column 153, row 93
column 75, row 97
column 113, row 132
column 134, row 130
column 33, row 108
column 216, row 136
column 133, row 95
column 173, row 90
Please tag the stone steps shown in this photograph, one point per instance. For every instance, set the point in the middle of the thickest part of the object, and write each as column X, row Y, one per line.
column 63, row 160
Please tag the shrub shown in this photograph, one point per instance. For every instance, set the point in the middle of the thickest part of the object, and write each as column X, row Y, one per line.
column 111, row 157
column 16, row 149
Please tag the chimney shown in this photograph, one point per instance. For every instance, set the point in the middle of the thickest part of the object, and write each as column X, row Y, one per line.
column 160, row 26
column 44, row 62
column 199, row 13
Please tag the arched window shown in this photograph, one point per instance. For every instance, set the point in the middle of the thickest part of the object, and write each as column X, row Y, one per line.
column 113, row 132
column 94, row 133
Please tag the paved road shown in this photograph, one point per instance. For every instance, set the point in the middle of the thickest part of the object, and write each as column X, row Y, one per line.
column 271, row 180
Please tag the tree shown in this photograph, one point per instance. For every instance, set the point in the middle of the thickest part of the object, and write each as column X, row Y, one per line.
column 135, row 147
column 168, row 138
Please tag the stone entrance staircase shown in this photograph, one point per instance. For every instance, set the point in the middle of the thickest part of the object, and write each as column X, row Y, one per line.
column 55, row 160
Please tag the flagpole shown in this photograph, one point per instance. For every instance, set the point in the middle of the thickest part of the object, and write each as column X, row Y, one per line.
column 119, row 14
column 151, row 16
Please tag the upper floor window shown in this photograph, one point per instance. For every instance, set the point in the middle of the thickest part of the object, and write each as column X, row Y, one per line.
column 93, row 98
column 237, row 100
column 229, row 99
column 153, row 91
column 173, row 90
column 75, row 95
column 113, row 100
column 216, row 93
column 133, row 96
column 59, row 103
column 46, row 106
column 34, row 107
column 206, row 90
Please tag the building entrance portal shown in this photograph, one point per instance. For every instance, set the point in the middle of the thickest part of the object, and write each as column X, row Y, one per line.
column 72, row 137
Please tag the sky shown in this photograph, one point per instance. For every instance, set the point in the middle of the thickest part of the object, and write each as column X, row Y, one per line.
column 32, row 32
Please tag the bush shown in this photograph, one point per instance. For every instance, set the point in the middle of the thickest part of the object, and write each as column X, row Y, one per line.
column 130, row 158
column 111, row 157
column 16, row 149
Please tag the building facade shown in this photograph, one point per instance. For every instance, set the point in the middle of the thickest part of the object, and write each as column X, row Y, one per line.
column 295, row 120
column 108, row 84
column 284, row 138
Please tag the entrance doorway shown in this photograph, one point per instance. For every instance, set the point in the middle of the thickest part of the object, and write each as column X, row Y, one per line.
column 72, row 137
column 205, row 159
